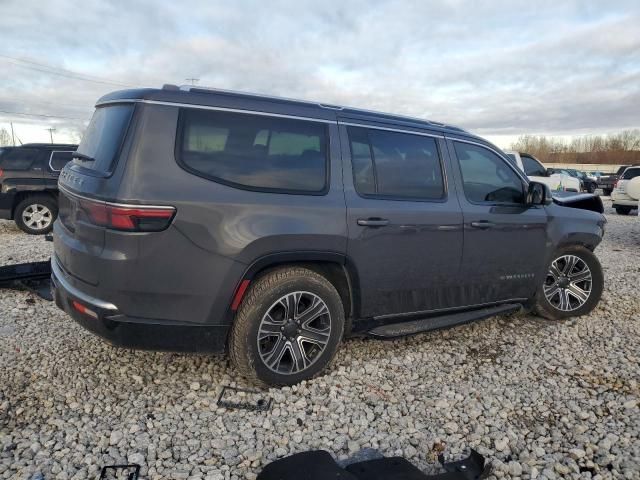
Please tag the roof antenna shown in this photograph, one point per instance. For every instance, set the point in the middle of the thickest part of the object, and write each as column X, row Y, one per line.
column 193, row 81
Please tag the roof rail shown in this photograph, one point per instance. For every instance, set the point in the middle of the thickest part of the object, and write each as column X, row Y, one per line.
column 197, row 89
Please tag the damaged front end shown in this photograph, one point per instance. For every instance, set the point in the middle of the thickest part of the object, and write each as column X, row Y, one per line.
column 584, row 201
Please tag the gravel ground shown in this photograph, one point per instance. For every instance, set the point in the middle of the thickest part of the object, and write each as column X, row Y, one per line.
column 541, row 399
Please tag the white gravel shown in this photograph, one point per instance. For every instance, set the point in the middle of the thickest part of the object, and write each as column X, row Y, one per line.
column 540, row 399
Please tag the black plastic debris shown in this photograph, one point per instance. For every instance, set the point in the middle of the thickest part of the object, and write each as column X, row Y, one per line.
column 34, row 276
column 320, row 465
column 120, row 472
column 234, row 398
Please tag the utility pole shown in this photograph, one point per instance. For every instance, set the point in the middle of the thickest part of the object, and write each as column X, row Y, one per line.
column 51, row 130
column 193, row 81
column 13, row 137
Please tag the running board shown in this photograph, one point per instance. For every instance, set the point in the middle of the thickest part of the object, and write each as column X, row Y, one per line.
column 403, row 329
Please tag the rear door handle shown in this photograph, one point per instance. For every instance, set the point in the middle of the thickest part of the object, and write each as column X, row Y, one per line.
column 482, row 224
column 373, row 222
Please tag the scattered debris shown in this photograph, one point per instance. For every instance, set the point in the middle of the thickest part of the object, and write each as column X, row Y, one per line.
column 120, row 472
column 320, row 465
column 232, row 397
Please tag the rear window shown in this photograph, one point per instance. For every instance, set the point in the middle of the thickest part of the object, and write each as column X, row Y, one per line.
column 631, row 173
column 532, row 167
column 104, row 136
column 59, row 159
column 255, row 152
column 18, row 158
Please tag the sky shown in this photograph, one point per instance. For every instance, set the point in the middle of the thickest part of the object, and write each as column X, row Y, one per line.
column 497, row 68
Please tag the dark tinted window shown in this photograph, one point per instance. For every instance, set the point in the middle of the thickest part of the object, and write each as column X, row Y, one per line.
column 631, row 173
column 259, row 152
column 396, row 165
column 19, row 158
column 59, row 160
column 487, row 177
column 104, row 136
column 532, row 167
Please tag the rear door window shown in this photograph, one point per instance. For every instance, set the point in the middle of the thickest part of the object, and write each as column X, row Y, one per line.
column 487, row 178
column 19, row 158
column 395, row 165
column 532, row 167
column 631, row 173
column 59, row 159
column 255, row 152
column 103, row 138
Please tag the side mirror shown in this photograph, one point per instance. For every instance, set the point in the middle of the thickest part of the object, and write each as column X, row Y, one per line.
column 538, row 194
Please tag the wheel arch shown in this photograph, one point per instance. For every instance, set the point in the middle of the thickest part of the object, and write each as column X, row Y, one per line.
column 22, row 194
column 335, row 267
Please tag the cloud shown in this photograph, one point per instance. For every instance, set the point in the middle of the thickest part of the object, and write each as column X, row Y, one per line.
column 504, row 69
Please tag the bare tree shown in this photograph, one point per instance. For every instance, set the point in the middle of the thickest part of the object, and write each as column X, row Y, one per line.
column 618, row 148
column 5, row 137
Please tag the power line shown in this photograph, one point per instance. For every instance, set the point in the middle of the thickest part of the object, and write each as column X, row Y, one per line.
column 63, row 72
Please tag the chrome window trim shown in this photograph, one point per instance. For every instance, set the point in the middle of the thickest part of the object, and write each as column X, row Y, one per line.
column 219, row 109
column 51, row 158
column 397, row 130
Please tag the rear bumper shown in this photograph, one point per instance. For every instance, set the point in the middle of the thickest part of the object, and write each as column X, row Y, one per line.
column 622, row 199
column 5, row 214
column 128, row 332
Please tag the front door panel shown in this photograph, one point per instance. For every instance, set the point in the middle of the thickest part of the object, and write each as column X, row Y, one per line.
column 505, row 241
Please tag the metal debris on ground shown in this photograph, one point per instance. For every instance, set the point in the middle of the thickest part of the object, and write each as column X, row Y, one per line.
column 120, row 472
column 232, row 397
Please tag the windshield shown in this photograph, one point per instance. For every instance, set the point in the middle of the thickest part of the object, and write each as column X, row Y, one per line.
column 103, row 137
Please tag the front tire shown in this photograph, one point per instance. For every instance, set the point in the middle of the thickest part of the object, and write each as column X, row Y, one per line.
column 288, row 327
column 573, row 284
column 35, row 214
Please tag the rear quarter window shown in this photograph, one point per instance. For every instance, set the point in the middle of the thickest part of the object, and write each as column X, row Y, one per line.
column 254, row 152
column 59, row 159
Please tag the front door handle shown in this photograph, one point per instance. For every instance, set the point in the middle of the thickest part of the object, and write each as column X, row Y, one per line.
column 373, row 222
column 482, row 224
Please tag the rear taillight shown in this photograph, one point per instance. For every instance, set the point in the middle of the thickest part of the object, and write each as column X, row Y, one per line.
column 130, row 218
column 615, row 184
column 1, row 173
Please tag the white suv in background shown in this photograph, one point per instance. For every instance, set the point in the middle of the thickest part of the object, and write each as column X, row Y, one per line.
column 626, row 191
column 537, row 172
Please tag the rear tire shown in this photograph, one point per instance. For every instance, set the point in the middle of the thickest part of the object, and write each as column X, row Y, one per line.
column 623, row 210
column 606, row 192
column 573, row 285
column 35, row 214
column 288, row 327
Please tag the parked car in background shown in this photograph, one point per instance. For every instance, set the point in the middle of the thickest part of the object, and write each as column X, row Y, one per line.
column 29, row 184
column 537, row 172
column 607, row 182
column 626, row 191
column 272, row 228
column 587, row 184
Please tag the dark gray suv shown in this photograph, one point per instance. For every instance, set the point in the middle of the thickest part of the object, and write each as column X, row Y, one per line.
column 203, row 220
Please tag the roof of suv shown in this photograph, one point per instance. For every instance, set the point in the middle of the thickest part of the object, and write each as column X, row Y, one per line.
column 52, row 146
column 198, row 96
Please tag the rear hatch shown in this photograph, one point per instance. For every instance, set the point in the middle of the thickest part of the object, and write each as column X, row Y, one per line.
column 85, row 184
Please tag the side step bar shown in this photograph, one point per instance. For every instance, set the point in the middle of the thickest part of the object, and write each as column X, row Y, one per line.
column 403, row 329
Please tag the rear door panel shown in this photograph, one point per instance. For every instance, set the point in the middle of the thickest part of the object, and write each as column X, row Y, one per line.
column 411, row 264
